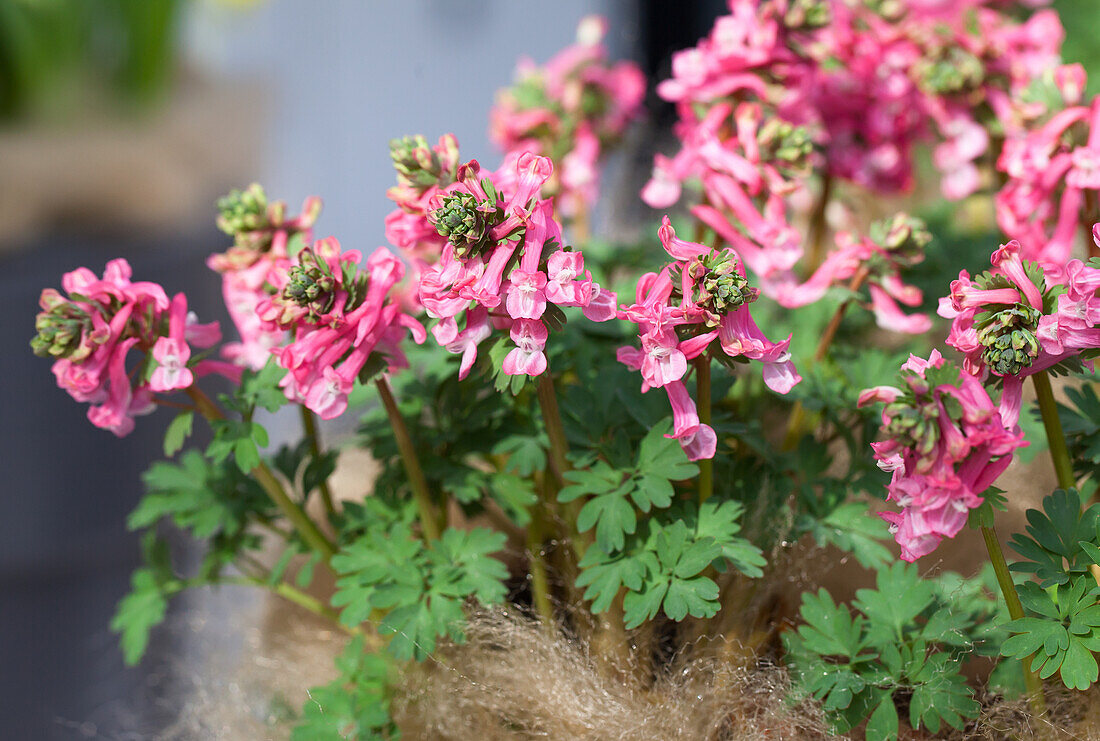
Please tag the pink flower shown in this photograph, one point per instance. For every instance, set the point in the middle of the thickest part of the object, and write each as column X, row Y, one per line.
column 526, row 294
column 172, row 352
column 664, row 362
column 698, row 440
column 527, row 358
column 680, row 320
column 91, row 333
column 339, row 315
column 563, row 268
column 943, row 456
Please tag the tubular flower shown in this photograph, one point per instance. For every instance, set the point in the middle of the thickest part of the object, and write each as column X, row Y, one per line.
column 1051, row 169
column 91, row 330
column 572, row 109
column 701, row 297
column 503, row 258
column 341, row 317
column 893, row 245
column 1010, row 322
column 946, row 443
column 261, row 232
column 851, row 89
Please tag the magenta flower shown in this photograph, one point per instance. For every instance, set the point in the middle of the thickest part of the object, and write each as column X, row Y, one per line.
column 91, row 332
column 261, row 232
column 898, row 244
column 339, row 316
column 494, row 264
column 1008, row 322
column 700, row 298
column 946, row 443
column 571, row 109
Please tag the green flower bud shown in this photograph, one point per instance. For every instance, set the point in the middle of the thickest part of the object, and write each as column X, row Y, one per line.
column 914, row 424
column 243, row 211
column 1008, row 337
column 718, row 287
column 64, row 331
column 417, row 165
column 310, row 284
column 806, row 15
column 891, row 10
column 954, row 71
column 466, row 222
column 786, row 144
column 903, row 236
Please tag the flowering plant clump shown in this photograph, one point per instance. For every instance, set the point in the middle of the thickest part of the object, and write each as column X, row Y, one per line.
column 647, row 534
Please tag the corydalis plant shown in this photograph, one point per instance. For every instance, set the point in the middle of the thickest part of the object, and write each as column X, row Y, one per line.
column 946, row 443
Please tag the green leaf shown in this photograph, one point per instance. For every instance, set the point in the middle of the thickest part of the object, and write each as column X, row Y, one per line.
column 138, row 613
column 178, row 432
column 663, row 457
column 883, row 723
column 526, row 453
column 355, row 705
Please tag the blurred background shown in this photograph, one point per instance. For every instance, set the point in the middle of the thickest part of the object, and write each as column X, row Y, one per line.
column 121, row 122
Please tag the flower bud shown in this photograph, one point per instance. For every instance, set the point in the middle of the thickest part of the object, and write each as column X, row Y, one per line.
column 806, row 15
column 465, row 221
column 954, row 71
column 786, row 144
column 718, row 286
column 310, row 284
column 416, row 164
column 243, row 211
column 1008, row 337
column 903, row 236
column 64, row 329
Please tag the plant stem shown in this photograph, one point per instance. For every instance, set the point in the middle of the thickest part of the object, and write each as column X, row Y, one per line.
column 818, row 226
column 429, row 527
column 1052, row 423
column 271, row 486
column 555, row 430
column 309, row 427
column 579, row 225
column 703, row 401
column 1016, row 611
column 798, row 413
column 540, row 582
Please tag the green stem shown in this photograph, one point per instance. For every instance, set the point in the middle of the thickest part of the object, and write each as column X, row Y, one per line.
column 797, row 419
column 558, row 465
column 309, row 427
column 271, row 486
column 1016, row 610
column 703, row 401
column 540, row 582
column 818, row 226
column 429, row 527
column 1056, row 438
column 555, row 430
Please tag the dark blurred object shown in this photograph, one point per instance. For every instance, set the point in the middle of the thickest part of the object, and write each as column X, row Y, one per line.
column 65, row 555
column 57, row 54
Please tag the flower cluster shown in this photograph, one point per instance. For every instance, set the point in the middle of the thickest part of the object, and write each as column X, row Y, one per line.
column 91, row 330
column 877, row 259
column 701, row 296
column 1051, row 170
column 339, row 317
column 501, row 263
column 261, row 233
column 862, row 83
column 1008, row 322
column 946, row 443
column 570, row 109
